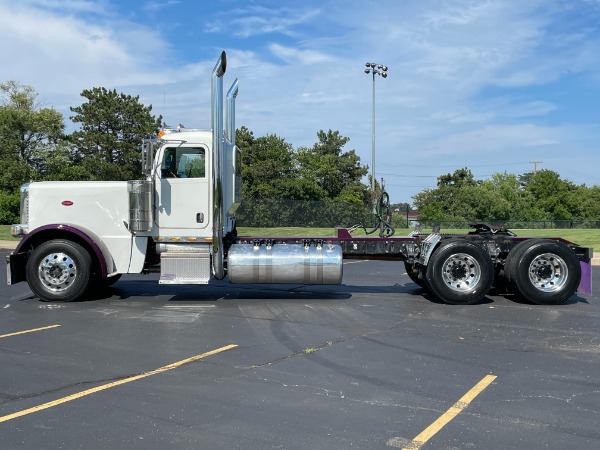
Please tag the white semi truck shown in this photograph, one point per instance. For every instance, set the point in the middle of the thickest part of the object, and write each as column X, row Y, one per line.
column 180, row 219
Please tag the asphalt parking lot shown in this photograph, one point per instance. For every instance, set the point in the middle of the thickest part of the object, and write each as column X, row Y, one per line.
column 372, row 363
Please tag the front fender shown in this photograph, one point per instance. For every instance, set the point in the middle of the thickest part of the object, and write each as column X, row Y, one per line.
column 88, row 239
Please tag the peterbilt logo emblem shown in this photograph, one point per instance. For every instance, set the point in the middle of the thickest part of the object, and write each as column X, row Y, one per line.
column 66, row 203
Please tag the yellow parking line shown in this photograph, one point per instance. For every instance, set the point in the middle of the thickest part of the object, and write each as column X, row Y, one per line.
column 113, row 384
column 454, row 410
column 28, row 331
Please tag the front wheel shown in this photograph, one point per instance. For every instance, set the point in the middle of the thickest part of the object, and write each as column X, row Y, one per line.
column 103, row 283
column 543, row 271
column 59, row 270
column 459, row 272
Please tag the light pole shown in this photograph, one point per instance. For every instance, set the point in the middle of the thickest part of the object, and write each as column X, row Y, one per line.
column 381, row 70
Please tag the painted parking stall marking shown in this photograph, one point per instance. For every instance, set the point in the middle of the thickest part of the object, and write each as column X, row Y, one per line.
column 103, row 387
column 450, row 414
column 28, row 331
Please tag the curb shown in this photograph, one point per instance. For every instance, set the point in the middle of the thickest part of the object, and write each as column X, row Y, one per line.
column 8, row 245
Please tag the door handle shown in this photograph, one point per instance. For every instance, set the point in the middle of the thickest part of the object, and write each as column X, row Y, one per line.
column 200, row 218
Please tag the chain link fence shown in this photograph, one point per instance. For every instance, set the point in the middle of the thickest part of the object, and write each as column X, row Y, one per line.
column 515, row 224
column 271, row 213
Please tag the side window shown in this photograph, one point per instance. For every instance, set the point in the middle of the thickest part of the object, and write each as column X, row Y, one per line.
column 184, row 162
column 167, row 167
column 192, row 163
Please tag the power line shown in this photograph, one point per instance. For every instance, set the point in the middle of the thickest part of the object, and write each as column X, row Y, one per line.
column 411, row 186
column 427, row 176
column 408, row 176
column 458, row 165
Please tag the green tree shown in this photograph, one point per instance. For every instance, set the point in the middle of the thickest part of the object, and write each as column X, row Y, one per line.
column 281, row 187
column 28, row 133
column 112, row 128
column 9, row 207
column 266, row 164
column 533, row 196
column 270, row 169
column 556, row 197
column 14, row 173
column 511, row 189
column 460, row 177
column 336, row 172
column 587, row 200
column 63, row 164
column 451, row 200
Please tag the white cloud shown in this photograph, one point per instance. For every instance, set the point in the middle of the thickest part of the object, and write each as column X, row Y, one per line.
column 293, row 55
column 462, row 116
column 157, row 6
column 530, row 109
column 256, row 20
column 493, row 138
column 61, row 52
column 65, row 5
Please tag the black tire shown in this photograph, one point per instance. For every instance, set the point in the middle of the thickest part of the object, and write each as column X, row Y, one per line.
column 459, row 272
column 543, row 271
column 415, row 276
column 103, row 283
column 512, row 260
column 59, row 270
column 109, row 281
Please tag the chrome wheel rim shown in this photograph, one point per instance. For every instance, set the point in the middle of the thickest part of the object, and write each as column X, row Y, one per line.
column 548, row 272
column 461, row 272
column 57, row 271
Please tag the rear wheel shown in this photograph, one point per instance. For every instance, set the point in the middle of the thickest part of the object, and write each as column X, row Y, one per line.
column 59, row 270
column 512, row 260
column 543, row 271
column 415, row 274
column 459, row 272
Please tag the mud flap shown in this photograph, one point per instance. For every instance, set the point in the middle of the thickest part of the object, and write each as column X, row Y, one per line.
column 15, row 268
column 585, row 284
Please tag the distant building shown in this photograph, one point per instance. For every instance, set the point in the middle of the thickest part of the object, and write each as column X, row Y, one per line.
column 413, row 218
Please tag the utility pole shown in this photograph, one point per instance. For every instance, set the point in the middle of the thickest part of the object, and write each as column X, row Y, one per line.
column 535, row 163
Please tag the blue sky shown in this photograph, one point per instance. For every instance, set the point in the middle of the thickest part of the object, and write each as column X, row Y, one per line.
column 486, row 84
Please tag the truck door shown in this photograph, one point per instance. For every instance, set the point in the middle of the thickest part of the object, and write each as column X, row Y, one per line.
column 183, row 192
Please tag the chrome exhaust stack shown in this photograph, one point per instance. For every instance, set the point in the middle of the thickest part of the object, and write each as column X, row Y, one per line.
column 218, row 143
column 230, row 117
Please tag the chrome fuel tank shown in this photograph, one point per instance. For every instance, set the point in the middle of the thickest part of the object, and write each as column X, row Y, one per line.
column 283, row 263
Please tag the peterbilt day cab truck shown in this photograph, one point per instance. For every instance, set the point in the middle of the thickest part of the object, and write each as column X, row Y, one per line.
column 180, row 219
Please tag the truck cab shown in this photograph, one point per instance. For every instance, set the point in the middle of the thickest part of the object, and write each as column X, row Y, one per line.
column 78, row 234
